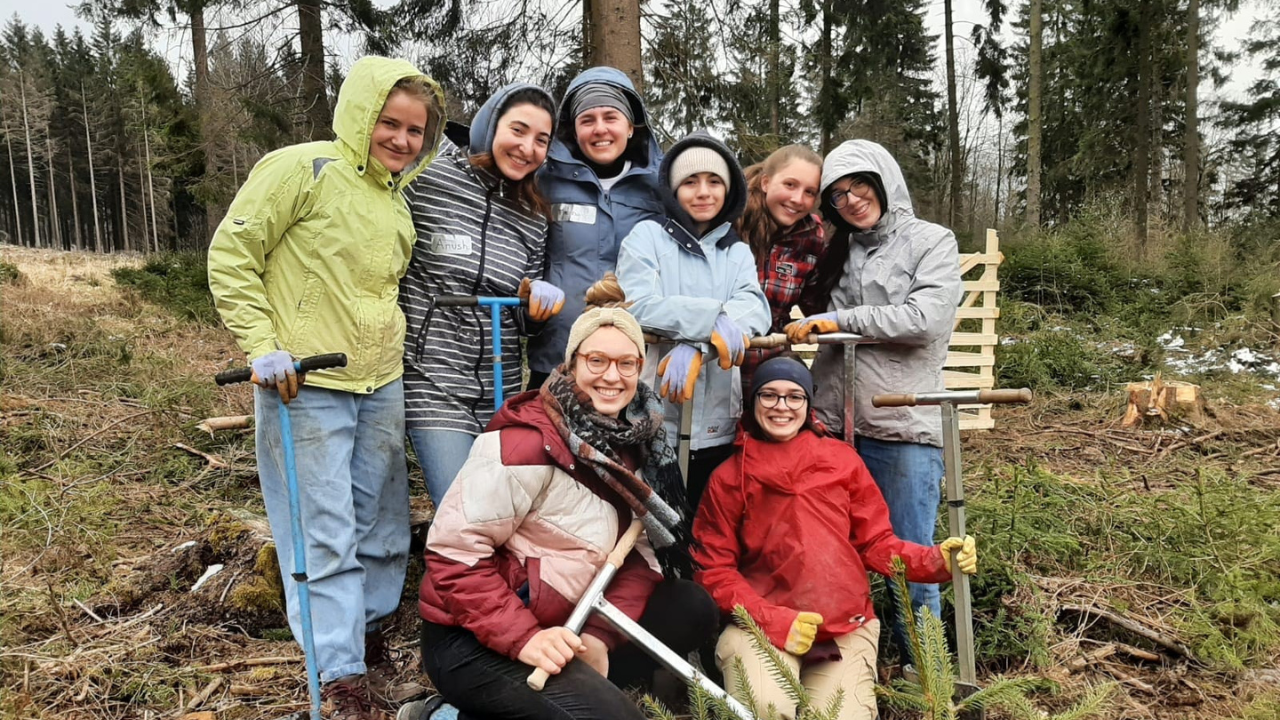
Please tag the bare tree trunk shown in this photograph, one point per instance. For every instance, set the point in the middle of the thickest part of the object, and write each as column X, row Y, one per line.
column 953, row 118
column 1191, row 137
column 824, row 69
column 75, row 204
column 93, row 182
column 151, row 189
column 142, row 199
column 200, row 51
column 124, row 207
column 775, row 72
column 311, row 39
column 13, row 183
column 1142, row 144
column 1035, row 120
column 31, row 163
column 999, row 169
column 588, row 40
column 55, row 229
column 615, row 36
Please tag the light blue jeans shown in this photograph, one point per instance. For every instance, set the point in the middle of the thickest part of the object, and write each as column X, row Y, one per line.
column 441, row 453
column 910, row 478
column 353, row 489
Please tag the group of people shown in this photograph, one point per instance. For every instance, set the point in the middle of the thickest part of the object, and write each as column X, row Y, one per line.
column 573, row 207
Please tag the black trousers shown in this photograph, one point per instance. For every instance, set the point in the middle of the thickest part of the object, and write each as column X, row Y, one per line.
column 536, row 379
column 701, row 464
column 485, row 685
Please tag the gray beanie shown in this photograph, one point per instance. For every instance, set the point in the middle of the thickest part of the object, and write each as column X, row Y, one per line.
column 781, row 368
column 599, row 94
column 696, row 159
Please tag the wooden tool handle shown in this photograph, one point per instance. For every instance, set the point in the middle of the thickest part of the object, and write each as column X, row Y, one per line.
column 894, row 400
column 998, row 397
column 538, row 678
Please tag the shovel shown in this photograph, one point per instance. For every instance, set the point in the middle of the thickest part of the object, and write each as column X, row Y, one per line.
column 239, row 375
column 495, row 305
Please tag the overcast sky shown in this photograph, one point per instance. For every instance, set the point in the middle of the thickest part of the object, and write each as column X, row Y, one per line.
column 47, row 15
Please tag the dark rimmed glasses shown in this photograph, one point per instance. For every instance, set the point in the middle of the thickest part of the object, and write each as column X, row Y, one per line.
column 598, row 363
column 859, row 187
column 769, row 399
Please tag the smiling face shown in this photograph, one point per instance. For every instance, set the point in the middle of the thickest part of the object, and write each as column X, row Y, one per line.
column 521, row 140
column 702, row 196
column 791, row 193
column 610, row 391
column 602, row 134
column 781, row 422
column 860, row 208
column 399, row 131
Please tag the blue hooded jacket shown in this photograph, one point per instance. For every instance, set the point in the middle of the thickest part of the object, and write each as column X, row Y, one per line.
column 587, row 223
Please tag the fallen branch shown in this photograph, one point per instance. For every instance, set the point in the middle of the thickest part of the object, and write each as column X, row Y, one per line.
column 214, row 461
column 204, row 694
column 225, row 422
column 1092, row 657
column 86, row 610
column 1138, row 653
column 1132, row 626
column 1128, row 679
column 247, row 662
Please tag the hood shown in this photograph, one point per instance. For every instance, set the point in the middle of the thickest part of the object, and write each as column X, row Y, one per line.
column 360, row 101
column 735, row 200
column 485, row 123
column 864, row 156
column 643, row 145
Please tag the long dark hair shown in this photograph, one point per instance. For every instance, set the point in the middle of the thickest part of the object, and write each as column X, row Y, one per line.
column 757, row 225
column 838, row 231
column 526, row 189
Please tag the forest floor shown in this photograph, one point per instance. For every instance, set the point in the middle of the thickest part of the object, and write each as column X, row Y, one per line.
column 1142, row 557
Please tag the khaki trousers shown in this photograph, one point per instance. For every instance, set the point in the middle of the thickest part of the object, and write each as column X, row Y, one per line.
column 855, row 672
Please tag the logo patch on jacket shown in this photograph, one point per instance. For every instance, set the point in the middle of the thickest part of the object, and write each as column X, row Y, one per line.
column 786, row 268
column 566, row 212
column 442, row 244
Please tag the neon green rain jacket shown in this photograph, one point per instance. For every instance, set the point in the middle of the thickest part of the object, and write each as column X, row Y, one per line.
column 309, row 256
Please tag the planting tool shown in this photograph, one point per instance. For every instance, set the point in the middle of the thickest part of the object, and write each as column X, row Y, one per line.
column 593, row 600
column 495, row 305
column 299, row 574
column 949, row 401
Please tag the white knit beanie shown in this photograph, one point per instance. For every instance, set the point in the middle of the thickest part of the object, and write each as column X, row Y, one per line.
column 598, row 317
column 696, row 159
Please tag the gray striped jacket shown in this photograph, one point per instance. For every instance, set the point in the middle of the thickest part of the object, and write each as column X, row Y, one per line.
column 474, row 238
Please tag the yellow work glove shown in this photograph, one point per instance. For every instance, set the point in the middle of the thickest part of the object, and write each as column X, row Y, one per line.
column 799, row 331
column 967, row 557
column 803, row 630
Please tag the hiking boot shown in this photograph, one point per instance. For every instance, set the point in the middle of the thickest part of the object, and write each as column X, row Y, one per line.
column 424, row 709
column 386, row 686
column 347, row 698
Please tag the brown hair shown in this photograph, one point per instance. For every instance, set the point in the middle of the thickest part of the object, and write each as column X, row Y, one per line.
column 420, row 88
column 607, row 292
column 757, row 226
column 526, row 190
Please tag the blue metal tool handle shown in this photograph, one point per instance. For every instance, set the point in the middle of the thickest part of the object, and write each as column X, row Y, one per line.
column 495, row 305
column 299, row 573
column 305, row 365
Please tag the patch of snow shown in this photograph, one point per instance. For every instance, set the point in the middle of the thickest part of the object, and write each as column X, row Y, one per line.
column 213, row 570
column 184, row 546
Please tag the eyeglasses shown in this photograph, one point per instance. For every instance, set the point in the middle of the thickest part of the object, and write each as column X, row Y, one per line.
column 598, row 363
column 840, row 198
column 794, row 401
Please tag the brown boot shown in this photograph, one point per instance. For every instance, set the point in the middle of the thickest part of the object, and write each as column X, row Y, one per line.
column 379, row 668
column 347, row 698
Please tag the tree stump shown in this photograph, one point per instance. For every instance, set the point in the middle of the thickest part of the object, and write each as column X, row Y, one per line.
column 1163, row 401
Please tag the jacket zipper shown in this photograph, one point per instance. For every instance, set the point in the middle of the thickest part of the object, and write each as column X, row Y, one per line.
column 475, row 290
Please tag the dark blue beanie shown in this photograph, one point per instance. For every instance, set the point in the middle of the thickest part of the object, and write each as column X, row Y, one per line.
column 782, row 368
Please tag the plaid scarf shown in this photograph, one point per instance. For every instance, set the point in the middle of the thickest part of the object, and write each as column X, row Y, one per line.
column 594, row 439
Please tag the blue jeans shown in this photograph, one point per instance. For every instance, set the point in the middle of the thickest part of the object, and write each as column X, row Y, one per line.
column 441, row 453
column 910, row 478
column 353, row 487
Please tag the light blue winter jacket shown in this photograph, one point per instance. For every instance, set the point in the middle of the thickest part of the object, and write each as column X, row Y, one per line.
column 680, row 283
column 587, row 223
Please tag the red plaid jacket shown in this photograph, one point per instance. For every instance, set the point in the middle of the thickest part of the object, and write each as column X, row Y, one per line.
column 788, row 277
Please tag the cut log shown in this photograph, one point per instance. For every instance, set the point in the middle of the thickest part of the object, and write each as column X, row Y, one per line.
column 1163, row 401
column 228, row 422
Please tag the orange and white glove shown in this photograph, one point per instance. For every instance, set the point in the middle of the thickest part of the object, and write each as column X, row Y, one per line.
column 678, row 373
column 802, row 633
column 544, row 298
column 729, row 341
column 798, row 332
column 967, row 558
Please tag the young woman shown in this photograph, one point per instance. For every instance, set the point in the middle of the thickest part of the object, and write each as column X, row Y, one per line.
column 786, row 237
column 693, row 282
column 545, row 495
column 307, row 262
column 787, row 529
column 482, row 228
column 601, row 178
column 899, row 284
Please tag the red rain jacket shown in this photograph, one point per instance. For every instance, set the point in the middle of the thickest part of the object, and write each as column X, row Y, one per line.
column 794, row 526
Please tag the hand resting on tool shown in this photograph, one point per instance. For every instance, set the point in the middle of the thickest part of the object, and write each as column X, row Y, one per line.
column 276, row 370
column 552, row 648
column 544, row 298
column 798, row 332
column 967, row 557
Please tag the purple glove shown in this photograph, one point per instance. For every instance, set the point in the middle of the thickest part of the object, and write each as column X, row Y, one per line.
column 275, row 369
column 729, row 341
column 544, row 298
column 679, row 371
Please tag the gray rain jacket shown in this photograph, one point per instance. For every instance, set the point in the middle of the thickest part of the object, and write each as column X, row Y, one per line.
column 901, row 285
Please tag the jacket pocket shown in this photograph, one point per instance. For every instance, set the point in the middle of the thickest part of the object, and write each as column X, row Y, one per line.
column 313, row 293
